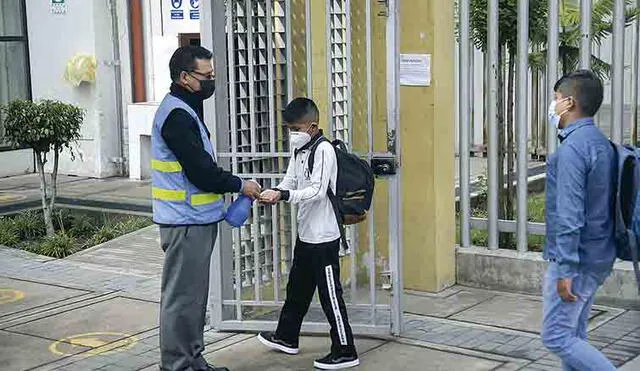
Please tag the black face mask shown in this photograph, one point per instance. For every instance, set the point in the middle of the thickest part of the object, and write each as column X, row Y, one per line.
column 207, row 88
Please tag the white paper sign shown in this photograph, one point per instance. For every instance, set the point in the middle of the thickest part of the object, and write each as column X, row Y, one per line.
column 415, row 69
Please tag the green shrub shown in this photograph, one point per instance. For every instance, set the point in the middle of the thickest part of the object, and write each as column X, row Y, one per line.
column 83, row 227
column 8, row 237
column 103, row 234
column 132, row 224
column 29, row 225
column 58, row 246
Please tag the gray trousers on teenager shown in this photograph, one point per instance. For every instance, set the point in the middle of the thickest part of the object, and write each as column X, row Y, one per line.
column 184, row 291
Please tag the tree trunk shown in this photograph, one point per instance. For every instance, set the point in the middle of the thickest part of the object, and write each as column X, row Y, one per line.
column 485, row 100
column 535, row 110
column 510, row 191
column 54, row 179
column 46, row 210
column 501, row 138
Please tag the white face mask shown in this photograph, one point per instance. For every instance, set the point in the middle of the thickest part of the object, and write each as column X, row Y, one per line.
column 554, row 118
column 298, row 139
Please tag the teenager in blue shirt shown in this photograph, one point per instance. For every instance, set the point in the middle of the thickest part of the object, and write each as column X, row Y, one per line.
column 579, row 216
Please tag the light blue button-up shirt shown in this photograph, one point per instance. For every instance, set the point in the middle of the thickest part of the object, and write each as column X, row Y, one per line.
column 579, row 201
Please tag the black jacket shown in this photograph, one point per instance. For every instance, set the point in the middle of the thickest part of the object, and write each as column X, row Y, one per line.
column 182, row 135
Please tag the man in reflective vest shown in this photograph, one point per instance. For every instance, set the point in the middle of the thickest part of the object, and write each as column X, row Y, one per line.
column 187, row 189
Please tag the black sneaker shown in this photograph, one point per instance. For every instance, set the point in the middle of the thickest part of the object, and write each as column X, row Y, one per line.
column 336, row 362
column 269, row 339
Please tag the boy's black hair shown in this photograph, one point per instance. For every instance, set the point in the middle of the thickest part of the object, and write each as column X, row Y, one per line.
column 184, row 59
column 301, row 110
column 585, row 87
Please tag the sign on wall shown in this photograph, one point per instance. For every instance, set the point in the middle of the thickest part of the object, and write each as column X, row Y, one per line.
column 180, row 16
column 58, row 7
column 415, row 69
column 194, row 11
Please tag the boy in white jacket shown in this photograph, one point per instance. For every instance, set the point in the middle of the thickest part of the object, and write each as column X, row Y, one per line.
column 316, row 261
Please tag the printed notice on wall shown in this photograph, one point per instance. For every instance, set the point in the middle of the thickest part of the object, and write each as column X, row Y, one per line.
column 58, row 7
column 415, row 69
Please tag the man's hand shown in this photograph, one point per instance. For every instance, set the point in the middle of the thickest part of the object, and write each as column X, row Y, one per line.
column 564, row 290
column 251, row 189
column 270, row 197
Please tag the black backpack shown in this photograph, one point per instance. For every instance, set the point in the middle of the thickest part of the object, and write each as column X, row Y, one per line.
column 354, row 186
column 627, row 206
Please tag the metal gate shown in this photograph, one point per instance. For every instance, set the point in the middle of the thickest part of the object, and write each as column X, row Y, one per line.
column 252, row 44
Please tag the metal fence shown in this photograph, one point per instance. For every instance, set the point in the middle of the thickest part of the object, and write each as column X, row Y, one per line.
column 524, row 146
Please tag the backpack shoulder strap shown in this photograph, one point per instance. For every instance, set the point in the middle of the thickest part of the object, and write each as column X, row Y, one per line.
column 312, row 155
column 332, row 196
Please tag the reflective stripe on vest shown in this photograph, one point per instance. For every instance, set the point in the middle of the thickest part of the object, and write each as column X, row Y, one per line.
column 173, row 195
column 168, row 194
column 166, row 166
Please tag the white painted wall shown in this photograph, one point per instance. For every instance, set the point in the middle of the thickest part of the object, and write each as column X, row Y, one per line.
column 16, row 162
column 161, row 40
column 53, row 39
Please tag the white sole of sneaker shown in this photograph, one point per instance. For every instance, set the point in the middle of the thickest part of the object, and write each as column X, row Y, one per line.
column 341, row 366
column 280, row 347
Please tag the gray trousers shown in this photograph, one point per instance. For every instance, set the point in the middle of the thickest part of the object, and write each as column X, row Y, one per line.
column 184, row 291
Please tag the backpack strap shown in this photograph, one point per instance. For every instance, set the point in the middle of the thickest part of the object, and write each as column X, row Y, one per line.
column 336, row 210
column 332, row 196
column 633, row 244
column 312, row 148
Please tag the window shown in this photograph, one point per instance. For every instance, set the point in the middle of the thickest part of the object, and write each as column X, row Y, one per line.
column 14, row 55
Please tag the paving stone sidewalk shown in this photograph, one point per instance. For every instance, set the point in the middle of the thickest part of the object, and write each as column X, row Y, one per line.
column 98, row 311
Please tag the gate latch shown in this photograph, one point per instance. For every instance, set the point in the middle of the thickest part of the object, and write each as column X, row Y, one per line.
column 385, row 277
column 384, row 164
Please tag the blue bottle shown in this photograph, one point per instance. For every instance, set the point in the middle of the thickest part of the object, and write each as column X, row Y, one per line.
column 239, row 211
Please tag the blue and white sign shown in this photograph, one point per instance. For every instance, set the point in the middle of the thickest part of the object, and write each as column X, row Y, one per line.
column 180, row 16
column 194, row 12
column 177, row 13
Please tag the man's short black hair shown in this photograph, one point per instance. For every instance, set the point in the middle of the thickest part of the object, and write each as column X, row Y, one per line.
column 585, row 87
column 184, row 59
column 301, row 110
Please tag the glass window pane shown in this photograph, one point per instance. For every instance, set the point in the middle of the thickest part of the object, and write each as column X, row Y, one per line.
column 13, row 74
column 11, row 18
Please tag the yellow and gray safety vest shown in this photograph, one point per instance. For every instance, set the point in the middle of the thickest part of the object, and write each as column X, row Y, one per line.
column 176, row 201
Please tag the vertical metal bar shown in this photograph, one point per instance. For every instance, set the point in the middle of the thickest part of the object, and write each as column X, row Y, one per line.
column 395, row 182
column 635, row 80
column 371, row 217
column 289, row 50
column 275, row 231
column 493, row 142
column 251, row 63
column 585, row 31
column 275, row 248
column 233, row 126
column 349, row 73
column 465, row 124
column 308, row 48
column 617, row 83
column 329, row 31
column 522, row 123
column 352, row 231
column 270, row 75
column 222, row 257
column 552, row 66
